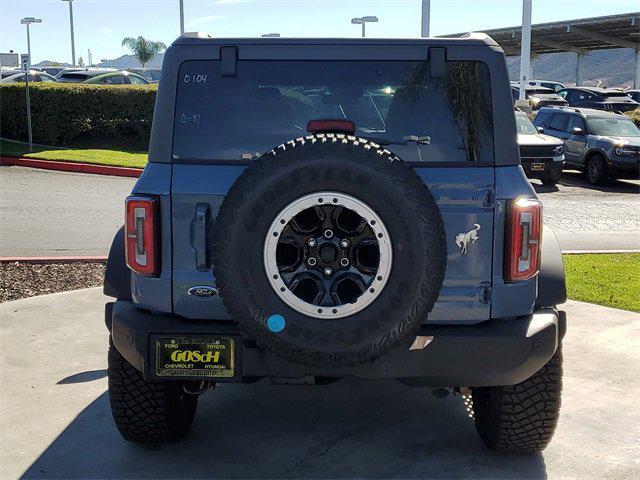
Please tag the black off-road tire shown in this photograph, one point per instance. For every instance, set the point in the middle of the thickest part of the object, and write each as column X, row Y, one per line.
column 520, row 418
column 596, row 171
column 147, row 412
column 373, row 175
column 553, row 178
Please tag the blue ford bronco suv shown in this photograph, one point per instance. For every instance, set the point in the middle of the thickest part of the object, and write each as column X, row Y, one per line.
column 315, row 209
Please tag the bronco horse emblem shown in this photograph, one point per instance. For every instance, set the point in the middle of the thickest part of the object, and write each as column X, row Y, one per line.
column 463, row 239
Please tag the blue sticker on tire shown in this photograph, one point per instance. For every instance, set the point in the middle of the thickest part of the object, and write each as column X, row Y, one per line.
column 275, row 323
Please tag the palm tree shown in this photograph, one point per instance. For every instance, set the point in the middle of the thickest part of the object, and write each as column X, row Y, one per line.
column 144, row 50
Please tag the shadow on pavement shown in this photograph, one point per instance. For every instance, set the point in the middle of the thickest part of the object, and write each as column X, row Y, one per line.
column 540, row 188
column 574, row 178
column 83, row 377
column 346, row 429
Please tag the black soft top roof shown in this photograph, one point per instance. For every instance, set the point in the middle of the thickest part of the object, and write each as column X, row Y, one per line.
column 470, row 39
column 472, row 47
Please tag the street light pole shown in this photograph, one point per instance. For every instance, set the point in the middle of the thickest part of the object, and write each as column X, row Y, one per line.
column 525, row 49
column 362, row 21
column 181, row 17
column 426, row 18
column 73, row 42
column 28, row 21
column 26, row 67
column 28, row 47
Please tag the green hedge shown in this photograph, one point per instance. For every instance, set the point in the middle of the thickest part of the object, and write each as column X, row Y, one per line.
column 64, row 113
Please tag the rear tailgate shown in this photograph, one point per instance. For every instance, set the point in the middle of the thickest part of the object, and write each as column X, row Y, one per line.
column 464, row 195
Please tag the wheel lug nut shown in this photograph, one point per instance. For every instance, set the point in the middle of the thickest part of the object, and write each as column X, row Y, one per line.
column 312, row 262
column 328, row 233
column 312, row 242
column 328, row 271
column 344, row 243
column 344, row 262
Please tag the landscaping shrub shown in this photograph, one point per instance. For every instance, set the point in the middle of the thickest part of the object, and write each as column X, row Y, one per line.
column 61, row 113
column 635, row 116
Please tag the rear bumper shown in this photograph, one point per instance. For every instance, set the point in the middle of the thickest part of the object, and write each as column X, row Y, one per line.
column 549, row 103
column 624, row 168
column 621, row 107
column 496, row 352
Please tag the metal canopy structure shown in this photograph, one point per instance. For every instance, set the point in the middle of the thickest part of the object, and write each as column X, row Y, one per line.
column 579, row 36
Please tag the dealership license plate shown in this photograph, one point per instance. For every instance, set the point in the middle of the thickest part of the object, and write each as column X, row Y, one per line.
column 537, row 166
column 209, row 356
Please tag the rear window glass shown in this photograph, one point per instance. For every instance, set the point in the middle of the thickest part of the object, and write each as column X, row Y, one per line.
column 617, row 95
column 270, row 102
column 540, row 91
column 74, row 77
column 553, row 86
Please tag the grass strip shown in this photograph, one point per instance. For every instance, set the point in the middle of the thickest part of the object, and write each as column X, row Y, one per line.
column 114, row 158
column 612, row 280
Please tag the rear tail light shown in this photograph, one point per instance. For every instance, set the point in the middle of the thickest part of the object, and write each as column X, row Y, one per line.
column 524, row 232
column 141, row 235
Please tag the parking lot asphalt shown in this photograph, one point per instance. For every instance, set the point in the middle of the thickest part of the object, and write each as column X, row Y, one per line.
column 46, row 213
column 56, row 421
column 587, row 217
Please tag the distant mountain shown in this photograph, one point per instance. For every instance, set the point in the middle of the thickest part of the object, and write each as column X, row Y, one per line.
column 44, row 63
column 614, row 67
column 123, row 62
column 129, row 61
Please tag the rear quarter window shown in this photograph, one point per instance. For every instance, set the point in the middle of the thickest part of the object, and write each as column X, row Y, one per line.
column 558, row 122
column 542, row 119
column 235, row 118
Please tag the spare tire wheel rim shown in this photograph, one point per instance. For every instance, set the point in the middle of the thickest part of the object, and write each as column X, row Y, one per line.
column 327, row 255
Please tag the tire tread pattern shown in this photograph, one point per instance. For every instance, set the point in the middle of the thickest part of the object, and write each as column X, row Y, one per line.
column 146, row 412
column 521, row 418
column 396, row 171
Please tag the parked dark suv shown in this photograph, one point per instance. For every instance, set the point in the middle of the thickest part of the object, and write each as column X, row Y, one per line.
column 538, row 96
column 634, row 94
column 598, row 98
column 318, row 209
column 541, row 156
column 602, row 144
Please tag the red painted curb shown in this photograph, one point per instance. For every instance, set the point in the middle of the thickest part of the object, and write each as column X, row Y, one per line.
column 89, row 259
column 72, row 167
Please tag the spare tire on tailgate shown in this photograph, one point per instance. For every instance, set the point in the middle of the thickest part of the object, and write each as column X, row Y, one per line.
column 329, row 251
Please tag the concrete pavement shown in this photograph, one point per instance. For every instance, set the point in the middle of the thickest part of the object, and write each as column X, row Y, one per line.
column 56, row 421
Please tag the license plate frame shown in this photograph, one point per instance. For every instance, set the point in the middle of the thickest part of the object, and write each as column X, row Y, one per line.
column 537, row 166
column 195, row 356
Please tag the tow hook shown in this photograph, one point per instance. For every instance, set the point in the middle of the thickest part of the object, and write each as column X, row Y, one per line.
column 198, row 387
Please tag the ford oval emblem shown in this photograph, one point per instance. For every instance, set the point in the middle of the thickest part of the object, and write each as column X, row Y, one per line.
column 203, row 291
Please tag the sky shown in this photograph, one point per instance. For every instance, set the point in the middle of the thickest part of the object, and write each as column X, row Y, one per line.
column 100, row 25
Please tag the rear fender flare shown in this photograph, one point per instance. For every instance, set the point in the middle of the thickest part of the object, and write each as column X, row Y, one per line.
column 117, row 276
column 552, row 288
